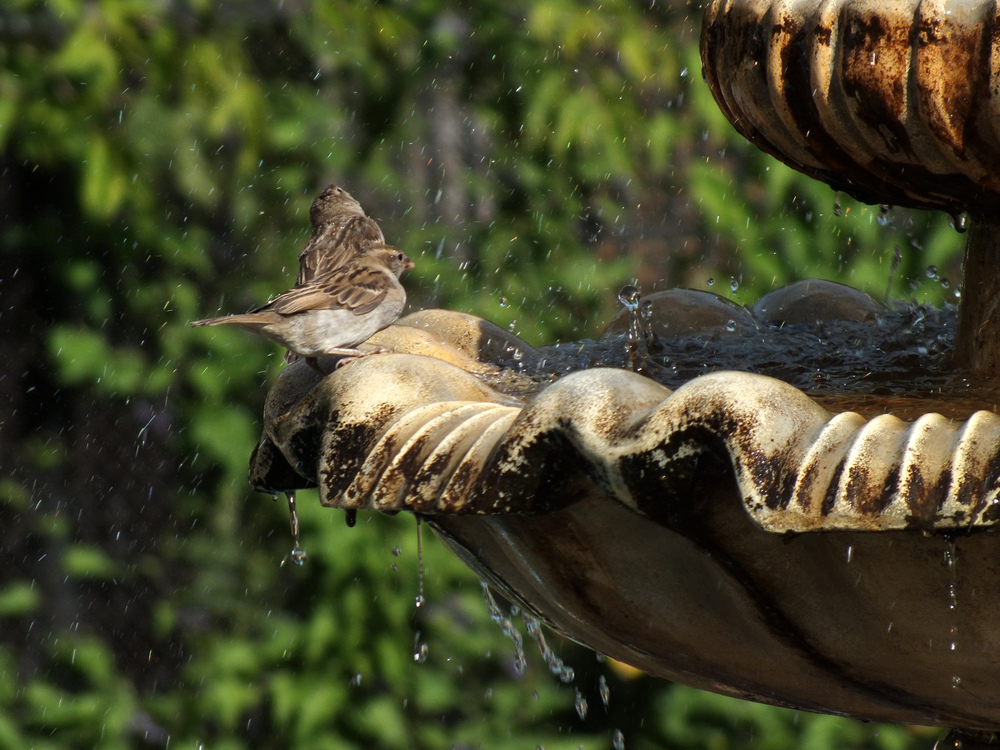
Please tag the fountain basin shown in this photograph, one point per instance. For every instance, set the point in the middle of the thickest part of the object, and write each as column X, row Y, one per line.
column 731, row 534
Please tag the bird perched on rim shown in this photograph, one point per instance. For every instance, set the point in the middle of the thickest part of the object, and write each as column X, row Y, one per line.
column 334, row 312
column 341, row 230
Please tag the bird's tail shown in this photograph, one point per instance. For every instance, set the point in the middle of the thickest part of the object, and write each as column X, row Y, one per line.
column 224, row 320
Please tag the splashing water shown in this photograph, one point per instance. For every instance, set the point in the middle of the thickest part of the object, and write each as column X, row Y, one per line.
column 297, row 555
column 628, row 295
column 897, row 258
column 420, row 649
column 507, row 626
column 420, row 564
column 604, row 691
column 557, row 665
column 883, row 219
column 951, row 561
column 837, row 210
column 639, row 336
column 580, row 703
column 618, row 740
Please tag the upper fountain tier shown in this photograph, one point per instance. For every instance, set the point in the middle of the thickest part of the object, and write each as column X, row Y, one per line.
column 892, row 101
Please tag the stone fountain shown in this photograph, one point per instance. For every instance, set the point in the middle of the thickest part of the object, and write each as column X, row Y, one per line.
column 832, row 551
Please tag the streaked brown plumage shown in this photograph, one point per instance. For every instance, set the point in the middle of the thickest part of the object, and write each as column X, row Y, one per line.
column 334, row 312
column 341, row 230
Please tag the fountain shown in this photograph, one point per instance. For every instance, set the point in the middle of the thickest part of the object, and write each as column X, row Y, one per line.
column 830, row 551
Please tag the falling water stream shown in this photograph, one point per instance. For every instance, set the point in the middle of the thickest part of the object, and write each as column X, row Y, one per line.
column 297, row 555
column 556, row 665
column 951, row 561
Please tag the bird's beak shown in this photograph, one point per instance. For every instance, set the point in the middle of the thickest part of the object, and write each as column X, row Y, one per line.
column 408, row 264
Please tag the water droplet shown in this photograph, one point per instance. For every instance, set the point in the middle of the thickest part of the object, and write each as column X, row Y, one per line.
column 604, row 690
column 850, row 552
column 837, row 211
column 507, row 626
column 931, row 271
column 945, row 282
column 298, row 555
column 350, row 517
column 959, row 222
column 419, row 651
column 883, row 219
column 581, row 705
column 628, row 295
column 503, row 302
column 420, row 564
column 730, row 325
column 951, row 561
column 618, row 740
column 734, row 285
column 397, row 551
column 956, row 682
column 710, row 281
column 556, row 665
column 356, row 679
column 512, row 325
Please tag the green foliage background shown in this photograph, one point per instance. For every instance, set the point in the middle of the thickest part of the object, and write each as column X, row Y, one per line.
column 157, row 161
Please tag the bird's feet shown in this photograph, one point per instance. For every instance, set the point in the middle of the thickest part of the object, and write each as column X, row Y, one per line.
column 346, row 357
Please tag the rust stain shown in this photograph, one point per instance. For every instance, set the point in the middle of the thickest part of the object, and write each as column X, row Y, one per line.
column 898, row 72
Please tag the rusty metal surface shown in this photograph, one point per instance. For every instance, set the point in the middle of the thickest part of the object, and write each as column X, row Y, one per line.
column 891, row 101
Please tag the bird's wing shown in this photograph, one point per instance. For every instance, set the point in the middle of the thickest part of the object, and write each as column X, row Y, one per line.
column 355, row 287
column 335, row 243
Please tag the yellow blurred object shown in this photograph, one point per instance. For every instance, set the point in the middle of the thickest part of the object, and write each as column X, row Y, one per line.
column 623, row 670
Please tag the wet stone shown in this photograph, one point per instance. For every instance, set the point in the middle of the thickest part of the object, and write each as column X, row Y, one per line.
column 814, row 301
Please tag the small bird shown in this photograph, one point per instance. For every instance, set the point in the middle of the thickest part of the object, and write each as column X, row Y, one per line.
column 341, row 230
column 334, row 312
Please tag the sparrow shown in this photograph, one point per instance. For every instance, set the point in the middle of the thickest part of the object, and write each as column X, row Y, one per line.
column 334, row 312
column 341, row 230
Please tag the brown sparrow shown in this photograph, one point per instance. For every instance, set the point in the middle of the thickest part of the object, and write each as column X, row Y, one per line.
column 334, row 312
column 341, row 230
